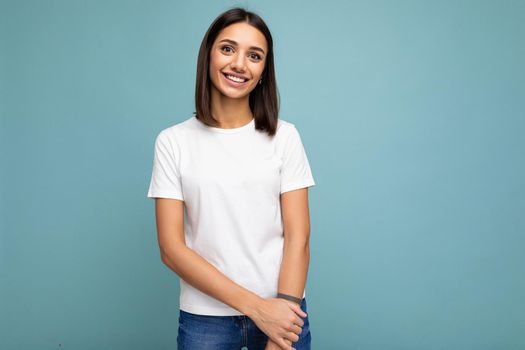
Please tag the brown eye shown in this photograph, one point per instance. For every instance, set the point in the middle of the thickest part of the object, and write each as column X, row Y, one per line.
column 226, row 47
column 256, row 56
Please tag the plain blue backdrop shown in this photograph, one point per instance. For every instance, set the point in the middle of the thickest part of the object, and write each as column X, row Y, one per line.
column 412, row 116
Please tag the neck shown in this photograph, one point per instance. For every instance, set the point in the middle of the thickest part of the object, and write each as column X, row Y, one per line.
column 230, row 112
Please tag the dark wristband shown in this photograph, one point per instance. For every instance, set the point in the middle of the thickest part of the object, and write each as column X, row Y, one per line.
column 289, row 297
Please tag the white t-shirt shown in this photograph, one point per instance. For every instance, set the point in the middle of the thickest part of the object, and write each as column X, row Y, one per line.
column 230, row 181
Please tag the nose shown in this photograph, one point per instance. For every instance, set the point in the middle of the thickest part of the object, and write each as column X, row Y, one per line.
column 237, row 63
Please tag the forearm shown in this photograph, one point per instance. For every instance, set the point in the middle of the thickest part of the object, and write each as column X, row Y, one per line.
column 294, row 267
column 199, row 273
column 293, row 273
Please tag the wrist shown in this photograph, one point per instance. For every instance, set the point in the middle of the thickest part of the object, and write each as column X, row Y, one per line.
column 250, row 305
column 290, row 298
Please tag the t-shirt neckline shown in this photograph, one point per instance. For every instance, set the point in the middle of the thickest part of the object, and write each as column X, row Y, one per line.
column 247, row 126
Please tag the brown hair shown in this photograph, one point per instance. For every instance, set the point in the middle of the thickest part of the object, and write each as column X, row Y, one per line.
column 263, row 99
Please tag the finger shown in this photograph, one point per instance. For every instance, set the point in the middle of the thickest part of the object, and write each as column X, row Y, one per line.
column 294, row 328
column 297, row 330
column 299, row 321
column 298, row 309
column 292, row 336
column 289, row 343
column 283, row 344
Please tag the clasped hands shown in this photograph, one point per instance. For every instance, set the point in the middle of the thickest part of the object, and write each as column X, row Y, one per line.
column 281, row 321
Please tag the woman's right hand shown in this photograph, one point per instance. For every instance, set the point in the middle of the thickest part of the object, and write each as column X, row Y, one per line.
column 279, row 318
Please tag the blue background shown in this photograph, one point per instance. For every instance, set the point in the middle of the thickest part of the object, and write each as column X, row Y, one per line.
column 412, row 115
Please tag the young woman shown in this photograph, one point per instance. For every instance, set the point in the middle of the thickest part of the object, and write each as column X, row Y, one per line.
column 241, row 246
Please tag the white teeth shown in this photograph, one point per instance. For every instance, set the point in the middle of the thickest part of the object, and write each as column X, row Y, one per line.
column 238, row 80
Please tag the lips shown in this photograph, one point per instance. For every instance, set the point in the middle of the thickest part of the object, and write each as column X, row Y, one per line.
column 234, row 84
column 237, row 76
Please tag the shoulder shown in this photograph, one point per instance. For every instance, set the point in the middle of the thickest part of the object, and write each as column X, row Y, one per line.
column 285, row 129
column 284, row 124
column 176, row 132
column 287, row 132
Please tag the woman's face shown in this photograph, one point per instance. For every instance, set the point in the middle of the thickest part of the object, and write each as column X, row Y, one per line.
column 238, row 50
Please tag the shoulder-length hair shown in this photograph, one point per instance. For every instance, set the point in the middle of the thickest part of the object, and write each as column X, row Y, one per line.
column 263, row 99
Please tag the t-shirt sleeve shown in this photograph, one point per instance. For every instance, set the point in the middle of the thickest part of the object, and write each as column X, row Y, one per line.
column 295, row 170
column 165, row 176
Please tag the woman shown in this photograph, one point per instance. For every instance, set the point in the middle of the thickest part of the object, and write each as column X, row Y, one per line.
column 242, row 175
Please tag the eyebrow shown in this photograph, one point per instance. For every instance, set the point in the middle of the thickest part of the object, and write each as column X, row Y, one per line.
column 235, row 43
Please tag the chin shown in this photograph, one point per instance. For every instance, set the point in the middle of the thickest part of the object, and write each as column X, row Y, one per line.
column 236, row 95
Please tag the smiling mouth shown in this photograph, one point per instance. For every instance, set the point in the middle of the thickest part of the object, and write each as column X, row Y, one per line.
column 234, row 79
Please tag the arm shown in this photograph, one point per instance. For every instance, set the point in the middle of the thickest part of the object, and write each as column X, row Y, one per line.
column 296, row 255
column 271, row 315
column 192, row 267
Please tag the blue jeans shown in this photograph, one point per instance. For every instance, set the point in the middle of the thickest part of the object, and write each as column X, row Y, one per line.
column 202, row 332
